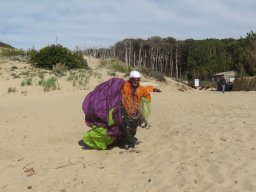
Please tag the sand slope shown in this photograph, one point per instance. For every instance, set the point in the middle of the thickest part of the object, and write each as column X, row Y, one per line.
column 198, row 141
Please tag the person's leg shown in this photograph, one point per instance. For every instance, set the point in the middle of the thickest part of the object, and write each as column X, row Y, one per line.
column 223, row 88
column 127, row 132
column 133, row 128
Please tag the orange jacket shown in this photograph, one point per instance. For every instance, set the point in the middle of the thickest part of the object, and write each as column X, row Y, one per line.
column 150, row 88
column 140, row 92
column 130, row 100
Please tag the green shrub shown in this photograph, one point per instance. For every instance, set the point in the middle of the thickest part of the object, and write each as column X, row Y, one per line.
column 111, row 73
column 116, row 65
column 72, row 76
column 27, row 81
column 51, row 55
column 83, row 81
column 157, row 75
column 12, row 90
column 13, row 68
column 119, row 66
column 49, row 84
column 24, row 92
column 32, row 55
column 79, row 78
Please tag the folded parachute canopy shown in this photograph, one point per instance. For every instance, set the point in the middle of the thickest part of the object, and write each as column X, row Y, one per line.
column 99, row 102
column 102, row 108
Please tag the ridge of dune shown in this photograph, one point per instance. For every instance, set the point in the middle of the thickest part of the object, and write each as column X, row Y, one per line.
column 198, row 140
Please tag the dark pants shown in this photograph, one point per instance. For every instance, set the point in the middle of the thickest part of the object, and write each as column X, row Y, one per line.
column 129, row 127
column 223, row 86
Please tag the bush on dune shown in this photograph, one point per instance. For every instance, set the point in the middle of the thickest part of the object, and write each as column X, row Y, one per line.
column 51, row 55
column 49, row 84
column 116, row 65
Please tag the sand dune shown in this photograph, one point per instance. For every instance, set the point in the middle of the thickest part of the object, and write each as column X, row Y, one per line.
column 198, row 141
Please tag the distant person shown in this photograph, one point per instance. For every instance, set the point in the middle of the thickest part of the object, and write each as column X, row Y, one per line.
column 223, row 84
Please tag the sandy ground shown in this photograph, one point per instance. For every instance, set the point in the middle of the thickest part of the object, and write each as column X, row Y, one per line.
column 199, row 141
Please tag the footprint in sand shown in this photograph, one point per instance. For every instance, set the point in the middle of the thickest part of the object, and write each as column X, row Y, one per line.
column 30, row 171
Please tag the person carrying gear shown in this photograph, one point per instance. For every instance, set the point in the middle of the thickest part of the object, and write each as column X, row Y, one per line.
column 133, row 94
column 114, row 110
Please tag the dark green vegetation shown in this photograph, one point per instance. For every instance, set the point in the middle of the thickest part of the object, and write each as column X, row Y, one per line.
column 51, row 55
column 5, row 45
column 180, row 59
column 47, row 57
column 187, row 59
column 210, row 56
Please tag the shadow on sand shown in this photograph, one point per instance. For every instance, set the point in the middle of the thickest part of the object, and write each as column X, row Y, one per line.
column 120, row 145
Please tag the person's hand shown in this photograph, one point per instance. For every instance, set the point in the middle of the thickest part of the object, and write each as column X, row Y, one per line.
column 156, row 90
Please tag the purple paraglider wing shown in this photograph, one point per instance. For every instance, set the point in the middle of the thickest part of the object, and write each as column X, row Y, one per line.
column 104, row 98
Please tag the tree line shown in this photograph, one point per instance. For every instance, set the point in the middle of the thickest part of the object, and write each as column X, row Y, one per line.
column 186, row 59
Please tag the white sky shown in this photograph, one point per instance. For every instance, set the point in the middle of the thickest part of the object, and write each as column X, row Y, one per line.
column 102, row 23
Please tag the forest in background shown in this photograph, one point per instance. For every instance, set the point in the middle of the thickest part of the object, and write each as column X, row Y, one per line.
column 180, row 59
column 186, row 59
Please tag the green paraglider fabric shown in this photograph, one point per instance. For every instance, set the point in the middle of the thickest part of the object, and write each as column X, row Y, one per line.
column 97, row 138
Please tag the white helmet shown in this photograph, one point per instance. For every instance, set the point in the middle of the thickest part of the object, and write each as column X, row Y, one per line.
column 135, row 74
